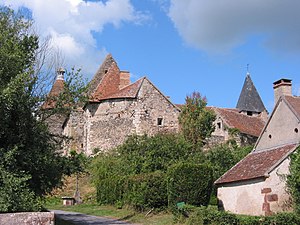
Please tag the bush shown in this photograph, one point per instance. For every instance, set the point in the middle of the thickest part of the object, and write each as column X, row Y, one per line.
column 147, row 191
column 189, row 183
column 15, row 196
column 293, row 180
column 208, row 216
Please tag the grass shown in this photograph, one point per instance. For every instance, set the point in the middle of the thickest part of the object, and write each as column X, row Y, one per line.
column 125, row 214
column 87, row 192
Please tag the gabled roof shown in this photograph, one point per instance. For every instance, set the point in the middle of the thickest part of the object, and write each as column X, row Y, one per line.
column 129, row 91
column 294, row 103
column 245, row 124
column 249, row 99
column 56, row 89
column 257, row 164
column 101, row 72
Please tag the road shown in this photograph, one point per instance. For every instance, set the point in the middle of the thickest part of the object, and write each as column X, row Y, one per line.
column 82, row 219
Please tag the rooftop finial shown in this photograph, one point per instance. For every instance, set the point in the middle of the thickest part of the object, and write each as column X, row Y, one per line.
column 248, row 73
column 60, row 74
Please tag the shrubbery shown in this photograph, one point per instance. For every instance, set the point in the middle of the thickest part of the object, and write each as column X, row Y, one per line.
column 207, row 216
column 147, row 191
column 189, row 183
column 293, row 179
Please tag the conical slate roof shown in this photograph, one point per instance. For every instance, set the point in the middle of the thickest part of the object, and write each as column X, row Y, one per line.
column 249, row 99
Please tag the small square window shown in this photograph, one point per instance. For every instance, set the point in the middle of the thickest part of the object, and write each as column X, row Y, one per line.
column 159, row 121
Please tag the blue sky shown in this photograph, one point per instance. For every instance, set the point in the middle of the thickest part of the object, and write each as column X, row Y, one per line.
column 180, row 45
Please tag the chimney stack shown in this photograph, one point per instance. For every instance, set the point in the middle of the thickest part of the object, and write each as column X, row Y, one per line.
column 60, row 74
column 124, row 79
column 282, row 87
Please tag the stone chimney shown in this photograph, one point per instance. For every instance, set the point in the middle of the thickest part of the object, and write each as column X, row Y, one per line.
column 282, row 87
column 124, row 79
column 60, row 74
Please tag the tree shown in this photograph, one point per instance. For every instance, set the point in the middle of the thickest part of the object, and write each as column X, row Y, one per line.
column 29, row 164
column 293, row 180
column 195, row 120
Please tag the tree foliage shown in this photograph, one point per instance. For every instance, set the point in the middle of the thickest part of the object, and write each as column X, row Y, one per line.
column 293, row 179
column 29, row 165
column 195, row 120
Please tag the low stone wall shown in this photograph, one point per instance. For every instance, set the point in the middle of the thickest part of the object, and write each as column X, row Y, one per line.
column 27, row 218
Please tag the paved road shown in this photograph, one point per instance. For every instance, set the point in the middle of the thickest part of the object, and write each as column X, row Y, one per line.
column 82, row 219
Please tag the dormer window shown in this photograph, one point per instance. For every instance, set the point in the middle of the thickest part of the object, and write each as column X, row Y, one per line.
column 249, row 113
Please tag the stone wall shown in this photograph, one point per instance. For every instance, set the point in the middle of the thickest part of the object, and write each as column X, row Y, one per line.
column 109, row 123
column 34, row 218
column 73, row 131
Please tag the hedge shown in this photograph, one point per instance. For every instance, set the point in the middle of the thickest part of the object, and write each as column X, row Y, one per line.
column 189, row 183
column 206, row 216
column 147, row 191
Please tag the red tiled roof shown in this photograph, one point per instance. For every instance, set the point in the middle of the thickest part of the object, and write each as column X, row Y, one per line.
column 294, row 102
column 129, row 91
column 245, row 124
column 109, row 83
column 56, row 89
column 256, row 164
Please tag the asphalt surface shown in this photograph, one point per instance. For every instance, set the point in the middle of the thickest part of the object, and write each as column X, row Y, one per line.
column 82, row 219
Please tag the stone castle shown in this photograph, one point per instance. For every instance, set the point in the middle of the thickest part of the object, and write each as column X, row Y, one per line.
column 118, row 108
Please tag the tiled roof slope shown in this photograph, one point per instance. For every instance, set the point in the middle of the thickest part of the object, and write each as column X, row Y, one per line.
column 249, row 99
column 257, row 164
column 56, row 89
column 129, row 91
column 245, row 124
column 295, row 103
column 109, row 84
column 105, row 66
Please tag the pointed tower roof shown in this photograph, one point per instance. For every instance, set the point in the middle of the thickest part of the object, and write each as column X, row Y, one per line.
column 249, row 99
column 56, row 89
column 101, row 72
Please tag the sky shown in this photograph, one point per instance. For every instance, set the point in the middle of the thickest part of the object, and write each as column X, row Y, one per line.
column 182, row 46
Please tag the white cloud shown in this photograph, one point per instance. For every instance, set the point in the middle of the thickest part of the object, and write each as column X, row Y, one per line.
column 217, row 26
column 70, row 23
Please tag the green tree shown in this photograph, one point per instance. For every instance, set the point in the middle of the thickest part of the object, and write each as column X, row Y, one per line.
column 196, row 120
column 293, row 180
column 29, row 164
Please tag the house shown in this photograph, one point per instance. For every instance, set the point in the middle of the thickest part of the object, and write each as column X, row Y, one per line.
column 118, row 108
column 243, row 123
column 256, row 185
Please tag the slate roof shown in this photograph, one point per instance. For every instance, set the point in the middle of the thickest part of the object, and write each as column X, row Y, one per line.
column 245, row 124
column 56, row 89
column 257, row 164
column 249, row 99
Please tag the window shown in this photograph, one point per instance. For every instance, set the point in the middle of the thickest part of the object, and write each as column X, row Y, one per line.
column 249, row 113
column 296, row 130
column 219, row 125
column 270, row 136
column 159, row 121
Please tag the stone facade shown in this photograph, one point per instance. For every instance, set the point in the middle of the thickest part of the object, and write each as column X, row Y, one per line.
column 110, row 122
column 117, row 109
